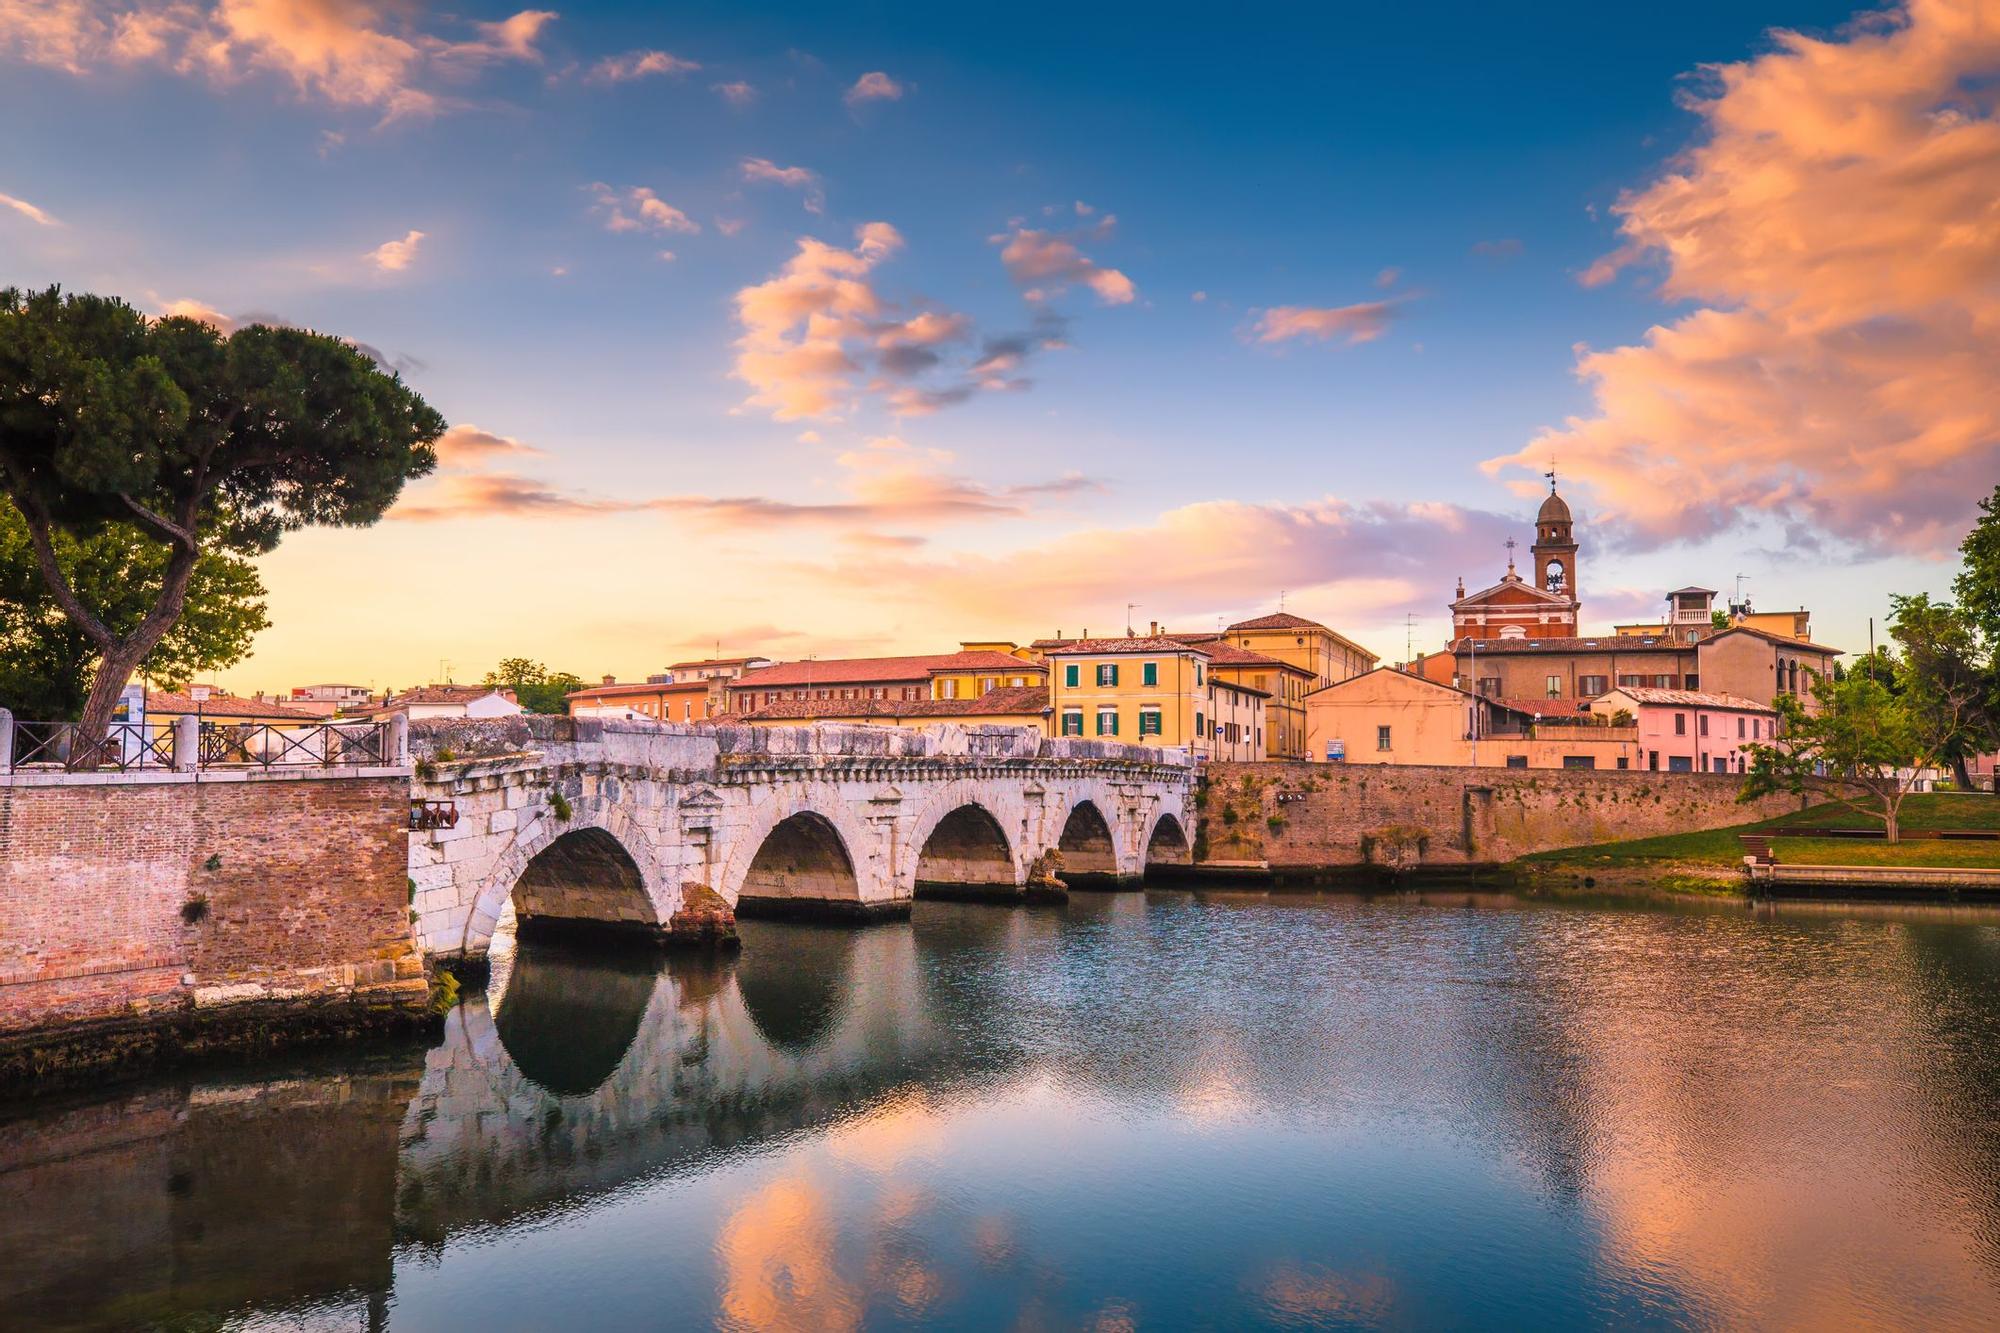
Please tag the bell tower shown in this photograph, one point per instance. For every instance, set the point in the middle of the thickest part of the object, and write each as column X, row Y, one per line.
column 1555, row 546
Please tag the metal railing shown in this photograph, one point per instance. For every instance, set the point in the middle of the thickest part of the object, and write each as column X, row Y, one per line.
column 190, row 744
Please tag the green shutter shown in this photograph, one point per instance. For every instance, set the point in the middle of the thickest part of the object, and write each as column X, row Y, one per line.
column 1114, row 679
column 1114, row 716
column 1149, row 674
column 1070, row 674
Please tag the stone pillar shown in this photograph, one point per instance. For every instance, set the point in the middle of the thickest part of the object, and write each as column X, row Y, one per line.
column 187, row 743
column 6, row 741
column 399, row 740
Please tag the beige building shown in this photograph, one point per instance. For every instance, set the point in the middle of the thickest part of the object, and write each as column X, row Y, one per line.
column 1394, row 717
column 1326, row 656
column 659, row 700
column 1152, row 690
column 1004, row 706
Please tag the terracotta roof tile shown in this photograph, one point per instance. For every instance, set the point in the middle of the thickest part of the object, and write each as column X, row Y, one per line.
column 1278, row 620
column 224, row 705
column 873, row 670
column 1692, row 698
column 1009, row 700
column 629, row 691
column 1147, row 643
column 1221, row 652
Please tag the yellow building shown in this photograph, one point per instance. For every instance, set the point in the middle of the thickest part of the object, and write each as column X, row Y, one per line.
column 1006, row 706
column 1393, row 717
column 1151, row 690
column 660, row 700
column 963, row 675
column 1328, row 656
column 1282, row 684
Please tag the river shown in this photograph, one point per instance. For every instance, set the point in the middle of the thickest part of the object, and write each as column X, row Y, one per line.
column 1157, row 1110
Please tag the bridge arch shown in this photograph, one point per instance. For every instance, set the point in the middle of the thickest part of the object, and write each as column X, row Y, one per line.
column 567, row 1021
column 1167, row 843
column 800, row 859
column 965, row 848
column 594, row 870
column 1089, row 847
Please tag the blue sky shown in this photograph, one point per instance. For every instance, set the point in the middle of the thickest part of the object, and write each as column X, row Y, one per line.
column 1352, row 250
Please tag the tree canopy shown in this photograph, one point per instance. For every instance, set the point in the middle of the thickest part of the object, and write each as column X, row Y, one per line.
column 200, row 441
column 538, row 689
column 46, row 660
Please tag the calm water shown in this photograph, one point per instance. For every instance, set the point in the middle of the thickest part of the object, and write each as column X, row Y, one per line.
column 1158, row 1110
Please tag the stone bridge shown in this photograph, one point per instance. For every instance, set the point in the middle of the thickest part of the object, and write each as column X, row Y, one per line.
column 667, row 832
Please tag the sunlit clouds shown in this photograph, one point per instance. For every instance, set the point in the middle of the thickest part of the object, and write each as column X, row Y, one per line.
column 638, row 65
column 638, row 208
column 1360, row 323
column 395, row 256
column 1045, row 263
column 874, row 86
column 346, row 52
column 40, row 217
column 761, row 170
column 1840, row 223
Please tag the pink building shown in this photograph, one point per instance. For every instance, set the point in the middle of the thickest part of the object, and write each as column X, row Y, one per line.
column 1691, row 731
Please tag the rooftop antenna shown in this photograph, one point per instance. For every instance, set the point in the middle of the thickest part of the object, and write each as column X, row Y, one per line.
column 1130, row 607
column 1409, row 636
column 444, row 671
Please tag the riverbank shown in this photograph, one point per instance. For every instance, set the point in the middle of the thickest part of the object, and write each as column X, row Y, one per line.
column 1710, row 861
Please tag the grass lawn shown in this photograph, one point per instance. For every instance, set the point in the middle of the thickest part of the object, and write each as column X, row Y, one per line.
column 1719, row 847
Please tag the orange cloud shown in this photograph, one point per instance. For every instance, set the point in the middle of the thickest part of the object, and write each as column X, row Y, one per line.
column 1044, row 263
column 874, row 86
column 1840, row 219
column 638, row 65
column 395, row 256
column 762, row 169
column 737, row 93
column 796, row 326
column 28, row 211
column 362, row 53
column 648, row 210
column 1359, row 323
column 467, row 446
column 1358, row 561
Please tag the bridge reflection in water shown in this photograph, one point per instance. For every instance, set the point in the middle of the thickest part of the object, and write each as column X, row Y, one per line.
column 1121, row 1107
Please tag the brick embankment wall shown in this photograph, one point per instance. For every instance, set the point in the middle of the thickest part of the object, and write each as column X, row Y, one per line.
column 145, row 917
column 1309, row 817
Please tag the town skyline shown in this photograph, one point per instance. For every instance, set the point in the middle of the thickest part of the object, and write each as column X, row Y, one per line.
column 805, row 336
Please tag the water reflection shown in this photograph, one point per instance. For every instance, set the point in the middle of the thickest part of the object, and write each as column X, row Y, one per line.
column 1214, row 1107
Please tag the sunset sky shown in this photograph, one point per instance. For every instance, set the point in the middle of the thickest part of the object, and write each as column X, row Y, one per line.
column 853, row 329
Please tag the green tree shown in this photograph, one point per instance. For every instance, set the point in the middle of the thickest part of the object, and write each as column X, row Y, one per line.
column 46, row 660
column 1861, row 748
column 1977, row 586
column 1947, row 679
column 538, row 689
column 201, row 442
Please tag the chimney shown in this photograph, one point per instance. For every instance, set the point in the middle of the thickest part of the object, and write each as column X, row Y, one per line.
column 1153, row 631
column 611, row 680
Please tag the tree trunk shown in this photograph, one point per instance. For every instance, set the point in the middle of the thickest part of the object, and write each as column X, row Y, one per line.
column 115, row 668
column 1892, row 821
column 1960, row 774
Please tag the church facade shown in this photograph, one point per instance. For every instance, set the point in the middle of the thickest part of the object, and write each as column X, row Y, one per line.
column 1544, row 607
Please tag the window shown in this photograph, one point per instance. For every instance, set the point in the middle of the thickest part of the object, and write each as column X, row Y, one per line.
column 947, row 689
column 1072, row 722
column 1070, row 673
column 1623, row 681
column 1517, row 761
column 1589, row 687
column 1623, row 762
column 1197, row 673
column 1680, row 724
column 1107, row 722
column 1679, row 763
column 1490, row 686
column 1663, row 682
column 987, row 683
column 1701, row 723
column 1200, row 725
column 1691, row 681
column 1579, row 761
column 1107, row 673
column 1381, row 738
column 1739, row 728
column 1721, row 765
column 1149, row 721
column 1149, row 673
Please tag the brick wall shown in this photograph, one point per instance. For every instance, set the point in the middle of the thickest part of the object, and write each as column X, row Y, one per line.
column 1327, row 816
column 301, row 882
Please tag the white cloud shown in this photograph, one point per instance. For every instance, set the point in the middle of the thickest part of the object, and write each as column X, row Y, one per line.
column 395, row 256
column 26, row 209
column 874, row 86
